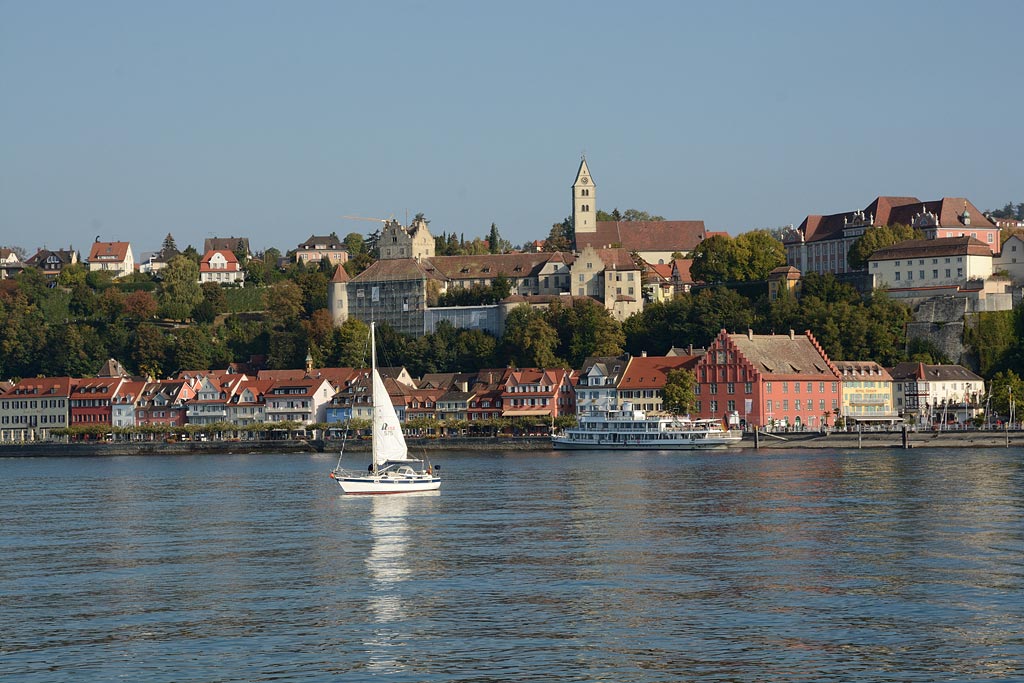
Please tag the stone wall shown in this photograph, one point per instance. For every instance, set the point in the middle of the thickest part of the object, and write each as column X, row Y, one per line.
column 940, row 320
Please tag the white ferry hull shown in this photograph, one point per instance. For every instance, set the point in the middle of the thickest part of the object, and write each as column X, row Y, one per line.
column 716, row 443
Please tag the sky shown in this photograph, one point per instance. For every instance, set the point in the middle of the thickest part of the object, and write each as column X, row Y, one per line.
column 127, row 121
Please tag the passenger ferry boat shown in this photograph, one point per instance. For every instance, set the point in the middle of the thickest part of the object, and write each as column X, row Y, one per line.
column 629, row 430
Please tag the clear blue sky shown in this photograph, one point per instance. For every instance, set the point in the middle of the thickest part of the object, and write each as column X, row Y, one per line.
column 272, row 120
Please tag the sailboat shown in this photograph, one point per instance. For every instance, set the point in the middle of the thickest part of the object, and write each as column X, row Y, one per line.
column 391, row 469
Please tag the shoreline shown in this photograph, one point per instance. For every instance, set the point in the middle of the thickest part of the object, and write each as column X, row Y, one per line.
column 766, row 442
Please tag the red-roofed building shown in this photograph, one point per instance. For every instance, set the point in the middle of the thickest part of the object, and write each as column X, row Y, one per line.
column 821, row 243
column 115, row 257
column 125, row 400
column 303, row 400
column 530, row 392
column 643, row 380
column 33, row 407
column 221, row 266
column 768, row 380
column 92, row 401
column 165, row 402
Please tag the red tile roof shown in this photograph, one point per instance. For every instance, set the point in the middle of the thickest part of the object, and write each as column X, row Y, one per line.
column 943, row 246
column 650, row 372
column 111, row 252
column 645, row 235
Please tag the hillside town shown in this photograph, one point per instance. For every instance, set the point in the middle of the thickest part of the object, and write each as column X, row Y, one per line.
column 942, row 263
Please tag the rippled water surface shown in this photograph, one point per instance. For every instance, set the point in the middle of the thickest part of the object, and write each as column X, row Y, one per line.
column 780, row 566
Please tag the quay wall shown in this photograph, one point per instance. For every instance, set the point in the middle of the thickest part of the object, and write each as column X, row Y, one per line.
column 765, row 443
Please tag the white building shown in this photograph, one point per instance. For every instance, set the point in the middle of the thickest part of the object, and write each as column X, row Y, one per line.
column 221, row 266
column 946, row 262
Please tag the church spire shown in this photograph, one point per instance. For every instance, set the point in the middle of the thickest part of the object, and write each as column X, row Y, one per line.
column 584, row 209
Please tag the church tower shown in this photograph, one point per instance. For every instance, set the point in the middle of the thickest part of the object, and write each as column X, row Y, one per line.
column 584, row 211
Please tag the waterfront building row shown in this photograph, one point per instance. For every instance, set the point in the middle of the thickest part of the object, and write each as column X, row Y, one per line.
column 768, row 381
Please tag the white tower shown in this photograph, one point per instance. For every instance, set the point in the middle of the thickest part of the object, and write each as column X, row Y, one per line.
column 584, row 211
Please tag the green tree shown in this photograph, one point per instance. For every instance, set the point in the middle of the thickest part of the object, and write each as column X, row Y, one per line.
column 1007, row 390
column 561, row 237
column 351, row 344
column 679, row 395
column 716, row 260
column 354, row 244
column 283, row 303
column 877, row 238
column 529, row 341
column 585, row 329
column 501, row 287
column 148, row 349
column 179, row 290
column 192, row 349
column 759, row 253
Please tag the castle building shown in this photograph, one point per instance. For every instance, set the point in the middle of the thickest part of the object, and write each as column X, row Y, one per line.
column 397, row 241
column 822, row 243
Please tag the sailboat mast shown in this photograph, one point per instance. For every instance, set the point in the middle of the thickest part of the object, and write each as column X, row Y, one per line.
column 373, row 399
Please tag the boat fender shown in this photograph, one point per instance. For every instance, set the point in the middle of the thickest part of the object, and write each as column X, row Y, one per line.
column 331, row 475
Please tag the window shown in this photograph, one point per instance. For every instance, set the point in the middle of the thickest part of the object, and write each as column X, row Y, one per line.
column 959, row 272
column 731, row 406
column 796, row 405
column 947, row 272
column 920, row 275
column 897, row 276
column 796, row 387
column 785, row 405
column 714, row 406
column 748, row 388
column 910, row 275
column 713, row 388
column 935, row 273
column 768, row 387
column 730, row 388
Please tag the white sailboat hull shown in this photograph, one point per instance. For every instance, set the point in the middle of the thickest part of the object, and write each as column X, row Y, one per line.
column 389, row 484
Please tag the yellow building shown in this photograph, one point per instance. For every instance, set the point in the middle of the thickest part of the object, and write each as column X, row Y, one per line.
column 867, row 392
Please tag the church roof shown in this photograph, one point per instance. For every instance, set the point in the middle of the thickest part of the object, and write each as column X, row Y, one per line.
column 645, row 235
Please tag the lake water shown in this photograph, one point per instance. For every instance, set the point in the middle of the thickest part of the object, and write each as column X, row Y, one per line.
column 528, row 566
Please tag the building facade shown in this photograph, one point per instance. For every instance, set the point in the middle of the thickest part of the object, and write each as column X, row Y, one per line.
column 768, row 381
